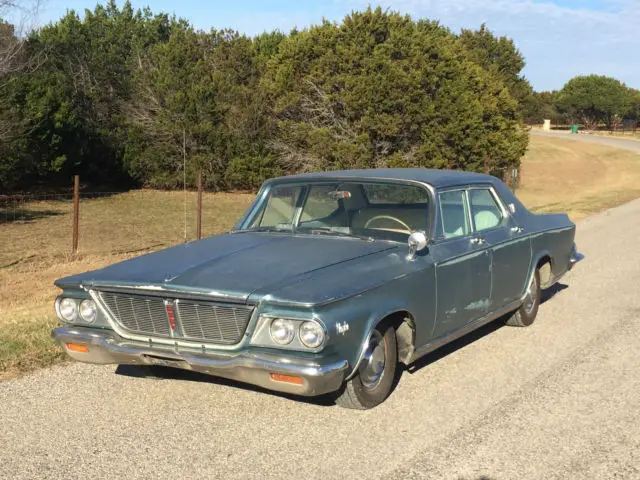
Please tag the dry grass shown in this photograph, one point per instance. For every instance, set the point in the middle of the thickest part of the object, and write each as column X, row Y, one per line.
column 36, row 251
column 557, row 175
column 578, row 178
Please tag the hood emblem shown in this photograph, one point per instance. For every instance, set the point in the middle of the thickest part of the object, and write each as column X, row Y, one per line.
column 171, row 315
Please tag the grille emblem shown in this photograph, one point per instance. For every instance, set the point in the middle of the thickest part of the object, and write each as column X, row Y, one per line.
column 172, row 316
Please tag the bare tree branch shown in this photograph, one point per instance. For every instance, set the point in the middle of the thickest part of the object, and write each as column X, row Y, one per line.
column 13, row 58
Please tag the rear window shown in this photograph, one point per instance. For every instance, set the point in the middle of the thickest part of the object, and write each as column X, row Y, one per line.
column 394, row 194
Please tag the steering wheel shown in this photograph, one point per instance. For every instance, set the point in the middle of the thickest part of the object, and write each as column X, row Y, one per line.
column 387, row 217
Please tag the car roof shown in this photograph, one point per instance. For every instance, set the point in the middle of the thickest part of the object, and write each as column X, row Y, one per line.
column 434, row 177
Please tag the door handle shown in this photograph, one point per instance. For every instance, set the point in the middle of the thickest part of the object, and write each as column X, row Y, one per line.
column 478, row 241
column 517, row 229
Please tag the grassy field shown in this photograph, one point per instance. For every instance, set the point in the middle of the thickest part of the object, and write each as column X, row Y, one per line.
column 557, row 175
column 579, row 178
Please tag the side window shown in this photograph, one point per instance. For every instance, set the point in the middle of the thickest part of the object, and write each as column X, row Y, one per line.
column 454, row 213
column 484, row 210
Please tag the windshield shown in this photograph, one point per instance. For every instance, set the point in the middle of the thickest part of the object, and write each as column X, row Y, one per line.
column 387, row 210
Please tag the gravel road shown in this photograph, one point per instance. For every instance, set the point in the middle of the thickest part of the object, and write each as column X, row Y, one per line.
column 617, row 142
column 560, row 399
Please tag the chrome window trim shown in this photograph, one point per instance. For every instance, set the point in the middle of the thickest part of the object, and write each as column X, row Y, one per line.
column 431, row 192
column 472, row 225
column 442, row 239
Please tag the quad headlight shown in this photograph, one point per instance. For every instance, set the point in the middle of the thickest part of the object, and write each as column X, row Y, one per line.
column 88, row 310
column 282, row 331
column 72, row 310
column 68, row 309
column 289, row 333
column 311, row 334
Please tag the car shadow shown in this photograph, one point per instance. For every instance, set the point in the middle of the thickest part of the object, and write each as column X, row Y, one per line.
column 471, row 337
column 552, row 291
column 461, row 342
column 155, row 372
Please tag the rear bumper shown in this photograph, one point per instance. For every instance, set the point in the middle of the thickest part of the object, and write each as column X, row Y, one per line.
column 574, row 258
column 106, row 347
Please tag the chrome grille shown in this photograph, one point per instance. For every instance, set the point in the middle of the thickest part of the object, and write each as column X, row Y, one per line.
column 138, row 314
column 198, row 321
column 211, row 322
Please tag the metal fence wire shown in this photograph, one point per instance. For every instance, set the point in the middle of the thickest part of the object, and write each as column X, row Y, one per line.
column 110, row 223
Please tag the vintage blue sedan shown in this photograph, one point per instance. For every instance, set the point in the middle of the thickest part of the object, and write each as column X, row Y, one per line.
column 328, row 284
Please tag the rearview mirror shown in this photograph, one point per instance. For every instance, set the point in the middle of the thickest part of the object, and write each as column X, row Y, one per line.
column 417, row 241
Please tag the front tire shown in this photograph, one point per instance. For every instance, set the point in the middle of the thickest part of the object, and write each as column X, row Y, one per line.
column 526, row 314
column 376, row 375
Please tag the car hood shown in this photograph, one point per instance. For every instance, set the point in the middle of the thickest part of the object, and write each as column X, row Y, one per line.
column 229, row 266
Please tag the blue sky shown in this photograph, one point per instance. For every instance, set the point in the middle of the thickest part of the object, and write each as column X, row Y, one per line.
column 559, row 38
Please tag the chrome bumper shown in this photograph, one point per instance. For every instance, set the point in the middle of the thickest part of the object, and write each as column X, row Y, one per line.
column 575, row 258
column 106, row 347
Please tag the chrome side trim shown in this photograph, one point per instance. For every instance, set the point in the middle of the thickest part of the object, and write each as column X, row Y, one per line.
column 469, row 327
column 105, row 347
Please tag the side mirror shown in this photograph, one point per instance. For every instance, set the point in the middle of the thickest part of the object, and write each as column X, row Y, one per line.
column 417, row 241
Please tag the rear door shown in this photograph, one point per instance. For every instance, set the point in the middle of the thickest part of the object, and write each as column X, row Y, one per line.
column 509, row 244
column 463, row 265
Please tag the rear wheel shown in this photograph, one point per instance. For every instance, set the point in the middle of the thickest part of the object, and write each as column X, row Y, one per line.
column 526, row 314
column 376, row 375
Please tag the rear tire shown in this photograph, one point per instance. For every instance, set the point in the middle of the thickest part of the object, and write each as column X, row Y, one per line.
column 376, row 374
column 526, row 314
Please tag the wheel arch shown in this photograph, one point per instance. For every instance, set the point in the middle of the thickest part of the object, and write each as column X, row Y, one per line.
column 404, row 324
column 542, row 260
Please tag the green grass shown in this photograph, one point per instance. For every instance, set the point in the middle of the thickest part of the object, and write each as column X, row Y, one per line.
column 26, row 346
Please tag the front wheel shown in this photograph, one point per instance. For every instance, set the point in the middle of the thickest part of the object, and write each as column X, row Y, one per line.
column 376, row 374
column 526, row 314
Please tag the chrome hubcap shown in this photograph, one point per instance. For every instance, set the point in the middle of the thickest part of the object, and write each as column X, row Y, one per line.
column 531, row 296
column 372, row 366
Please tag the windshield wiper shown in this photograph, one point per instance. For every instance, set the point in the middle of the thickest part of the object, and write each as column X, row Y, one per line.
column 337, row 233
column 265, row 229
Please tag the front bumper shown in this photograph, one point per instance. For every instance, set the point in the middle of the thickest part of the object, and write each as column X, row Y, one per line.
column 106, row 347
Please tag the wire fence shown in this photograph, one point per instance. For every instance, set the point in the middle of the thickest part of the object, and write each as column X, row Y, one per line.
column 36, row 226
column 618, row 127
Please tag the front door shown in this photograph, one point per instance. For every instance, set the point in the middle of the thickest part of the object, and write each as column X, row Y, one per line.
column 463, row 266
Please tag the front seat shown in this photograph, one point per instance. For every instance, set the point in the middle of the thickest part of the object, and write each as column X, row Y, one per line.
column 485, row 219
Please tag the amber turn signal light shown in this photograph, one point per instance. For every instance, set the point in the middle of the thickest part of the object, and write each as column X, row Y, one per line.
column 279, row 377
column 77, row 348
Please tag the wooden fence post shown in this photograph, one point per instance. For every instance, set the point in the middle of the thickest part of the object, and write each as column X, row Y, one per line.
column 199, row 214
column 76, row 212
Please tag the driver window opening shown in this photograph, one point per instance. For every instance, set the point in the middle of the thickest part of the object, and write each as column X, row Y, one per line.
column 455, row 214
